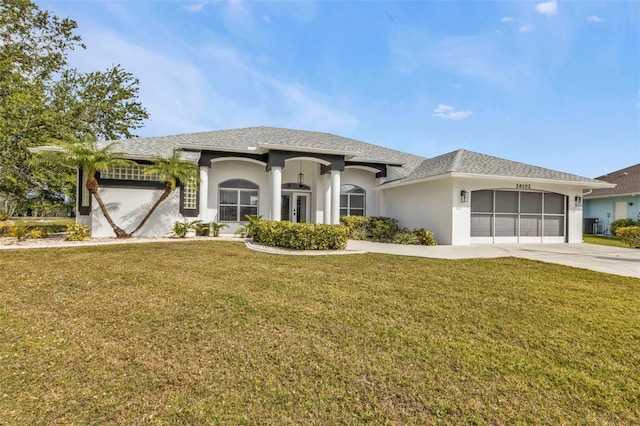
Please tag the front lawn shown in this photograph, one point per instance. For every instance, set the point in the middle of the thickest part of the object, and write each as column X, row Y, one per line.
column 208, row 332
column 604, row 240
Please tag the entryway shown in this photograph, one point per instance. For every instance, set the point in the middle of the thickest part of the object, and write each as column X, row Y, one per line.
column 295, row 206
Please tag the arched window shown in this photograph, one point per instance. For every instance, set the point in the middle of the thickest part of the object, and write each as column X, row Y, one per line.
column 352, row 200
column 237, row 198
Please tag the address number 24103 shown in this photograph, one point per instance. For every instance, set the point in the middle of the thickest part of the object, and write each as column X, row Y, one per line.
column 523, row 186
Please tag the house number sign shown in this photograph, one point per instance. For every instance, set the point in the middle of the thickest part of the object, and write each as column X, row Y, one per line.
column 523, row 186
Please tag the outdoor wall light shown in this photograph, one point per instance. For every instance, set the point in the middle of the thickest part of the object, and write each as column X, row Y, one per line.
column 464, row 196
column 300, row 176
column 578, row 201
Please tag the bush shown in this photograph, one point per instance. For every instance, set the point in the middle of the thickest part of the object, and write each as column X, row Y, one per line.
column 356, row 222
column 629, row 235
column 181, row 229
column 4, row 216
column 424, row 237
column 20, row 232
column 359, row 234
column 216, row 228
column 77, row 232
column 406, row 237
column 300, row 236
column 383, row 229
column 620, row 223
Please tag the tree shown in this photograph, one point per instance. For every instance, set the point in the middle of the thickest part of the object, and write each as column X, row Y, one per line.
column 33, row 48
column 42, row 100
column 171, row 171
column 101, row 103
column 85, row 154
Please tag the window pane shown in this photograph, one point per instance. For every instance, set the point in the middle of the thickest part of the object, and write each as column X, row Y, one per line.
column 228, row 214
column 530, row 202
column 249, row 198
column 344, row 200
column 506, row 225
column 246, row 210
column 357, row 212
column 228, row 196
column 238, row 183
column 506, row 202
column 351, row 189
column 481, row 225
column 553, row 226
column 482, row 201
column 343, row 212
column 530, row 226
column 357, row 201
column 553, row 203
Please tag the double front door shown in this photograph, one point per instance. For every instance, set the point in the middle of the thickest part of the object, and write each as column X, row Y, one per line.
column 295, row 206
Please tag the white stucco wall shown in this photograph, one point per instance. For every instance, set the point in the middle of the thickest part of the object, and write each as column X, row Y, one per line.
column 367, row 181
column 422, row 205
column 128, row 206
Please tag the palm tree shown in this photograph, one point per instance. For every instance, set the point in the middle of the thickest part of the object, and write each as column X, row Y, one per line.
column 171, row 171
column 84, row 154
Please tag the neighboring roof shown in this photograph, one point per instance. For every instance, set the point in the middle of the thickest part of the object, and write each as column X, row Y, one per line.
column 462, row 162
column 627, row 183
column 254, row 140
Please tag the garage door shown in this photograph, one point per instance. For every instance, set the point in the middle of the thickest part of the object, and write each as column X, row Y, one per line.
column 517, row 217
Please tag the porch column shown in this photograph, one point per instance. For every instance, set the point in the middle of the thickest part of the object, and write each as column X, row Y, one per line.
column 204, row 193
column 335, row 197
column 276, row 193
column 327, row 199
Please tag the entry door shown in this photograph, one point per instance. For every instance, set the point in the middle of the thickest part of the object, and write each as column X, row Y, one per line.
column 620, row 211
column 295, row 206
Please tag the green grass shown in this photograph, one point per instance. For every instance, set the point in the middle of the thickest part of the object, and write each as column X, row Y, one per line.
column 604, row 240
column 39, row 221
column 211, row 333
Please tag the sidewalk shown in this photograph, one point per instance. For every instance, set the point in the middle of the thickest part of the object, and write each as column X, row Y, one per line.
column 610, row 260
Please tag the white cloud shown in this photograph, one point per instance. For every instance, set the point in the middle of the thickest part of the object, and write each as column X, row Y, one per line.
column 196, row 6
column 548, row 8
column 506, row 19
column 594, row 18
column 448, row 112
column 527, row 28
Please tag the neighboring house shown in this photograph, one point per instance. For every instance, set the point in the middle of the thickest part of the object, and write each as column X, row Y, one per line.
column 462, row 197
column 604, row 205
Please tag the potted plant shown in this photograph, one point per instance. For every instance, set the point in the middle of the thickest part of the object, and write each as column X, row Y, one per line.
column 202, row 229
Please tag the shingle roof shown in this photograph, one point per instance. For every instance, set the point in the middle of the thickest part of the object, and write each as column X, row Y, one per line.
column 413, row 167
column 241, row 140
column 627, row 182
column 469, row 162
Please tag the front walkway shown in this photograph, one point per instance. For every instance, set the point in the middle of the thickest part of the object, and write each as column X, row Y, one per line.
column 611, row 260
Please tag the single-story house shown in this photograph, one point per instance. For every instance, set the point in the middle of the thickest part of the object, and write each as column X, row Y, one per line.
column 604, row 205
column 463, row 197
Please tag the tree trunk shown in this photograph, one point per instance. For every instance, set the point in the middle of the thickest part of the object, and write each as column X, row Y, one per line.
column 92, row 186
column 163, row 197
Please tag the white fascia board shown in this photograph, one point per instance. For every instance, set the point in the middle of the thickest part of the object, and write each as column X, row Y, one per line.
column 535, row 180
column 630, row 194
column 262, row 148
column 586, row 185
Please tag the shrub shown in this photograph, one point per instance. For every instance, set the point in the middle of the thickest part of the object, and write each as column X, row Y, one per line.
column 629, row 235
column 301, row 236
column 181, row 229
column 20, row 232
column 406, row 237
column 383, row 228
column 359, row 234
column 620, row 223
column 216, row 228
column 424, row 237
column 202, row 229
column 355, row 222
column 35, row 233
column 4, row 216
column 77, row 232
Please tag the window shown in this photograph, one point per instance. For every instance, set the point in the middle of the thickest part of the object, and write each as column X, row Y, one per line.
column 128, row 172
column 237, row 198
column 351, row 200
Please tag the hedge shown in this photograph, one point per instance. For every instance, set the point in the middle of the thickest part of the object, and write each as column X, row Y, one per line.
column 629, row 235
column 301, row 236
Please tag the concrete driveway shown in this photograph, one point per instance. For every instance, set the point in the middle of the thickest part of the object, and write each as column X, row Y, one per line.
column 610, row 260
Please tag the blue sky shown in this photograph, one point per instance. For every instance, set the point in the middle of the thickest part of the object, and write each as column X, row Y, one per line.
column 555, row 84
